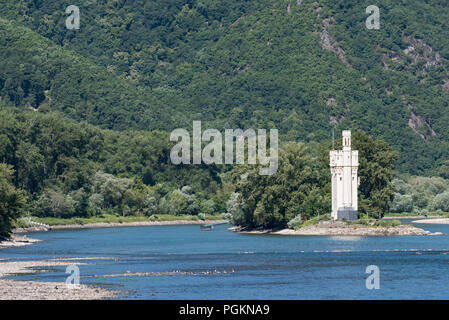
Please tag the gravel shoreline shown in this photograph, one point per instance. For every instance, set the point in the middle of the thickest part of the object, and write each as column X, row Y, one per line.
column 338, row 228
column 17, row 241
column 409, row 217
column 34, row 290
column 433, row 221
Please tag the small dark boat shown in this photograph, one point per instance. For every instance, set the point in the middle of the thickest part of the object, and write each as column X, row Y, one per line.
column 207, row 226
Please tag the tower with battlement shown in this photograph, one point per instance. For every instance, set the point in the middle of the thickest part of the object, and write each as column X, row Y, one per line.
column 344, row 164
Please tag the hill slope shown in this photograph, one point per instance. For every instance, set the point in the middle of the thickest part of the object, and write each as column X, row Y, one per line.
column 40, row 75
column 300, row 66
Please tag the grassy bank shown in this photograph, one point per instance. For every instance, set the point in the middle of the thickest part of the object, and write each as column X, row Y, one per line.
column 119, row 219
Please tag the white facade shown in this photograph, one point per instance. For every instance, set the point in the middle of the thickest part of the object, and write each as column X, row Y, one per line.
column 344, row 164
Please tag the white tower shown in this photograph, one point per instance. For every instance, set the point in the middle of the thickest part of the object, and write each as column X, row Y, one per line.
column 344, row 164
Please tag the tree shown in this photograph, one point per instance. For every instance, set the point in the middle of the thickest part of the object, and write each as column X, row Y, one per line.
column 56, row 204
column 207, row 206
column 402, row 203
column 114, row 190
column 95, row 204
column 12, row 201
column 235, row 209
column 30, row 164
column 376, row 164
column 441, row 202
column 300, row 186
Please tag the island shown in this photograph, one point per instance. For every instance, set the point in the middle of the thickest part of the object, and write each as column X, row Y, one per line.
column 342, row 228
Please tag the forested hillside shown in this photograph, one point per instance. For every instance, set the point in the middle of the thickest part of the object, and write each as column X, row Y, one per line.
column 86, row 114
column 39, row 75
column 299, row 66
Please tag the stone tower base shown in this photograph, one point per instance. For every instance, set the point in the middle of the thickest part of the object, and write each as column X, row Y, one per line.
column 347, row 213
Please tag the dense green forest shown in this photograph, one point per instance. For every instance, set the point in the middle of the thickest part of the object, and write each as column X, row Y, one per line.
column 299, row 66
column 86, row 114
column 76, row 169
column 70, row 169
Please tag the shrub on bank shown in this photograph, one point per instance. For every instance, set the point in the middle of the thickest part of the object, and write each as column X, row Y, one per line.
column 382, row 223
column 395, row 223
column 311, row 221
column 295, row 223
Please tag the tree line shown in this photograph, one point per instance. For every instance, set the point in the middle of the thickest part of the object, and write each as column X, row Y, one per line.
column 55, row 167
column 67, row 169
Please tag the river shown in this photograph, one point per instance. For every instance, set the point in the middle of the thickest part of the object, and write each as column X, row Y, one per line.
column 221, row 264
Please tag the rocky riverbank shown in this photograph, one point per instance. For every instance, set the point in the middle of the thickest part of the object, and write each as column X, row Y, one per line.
column 17, row 241
column 339, row 228
column 33, row 290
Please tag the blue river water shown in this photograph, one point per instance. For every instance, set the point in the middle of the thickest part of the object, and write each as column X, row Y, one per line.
column 221, row 264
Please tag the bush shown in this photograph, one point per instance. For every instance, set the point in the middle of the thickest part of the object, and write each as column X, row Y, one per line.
column 202, row 216
column 323, row 217
column 363, row 221
column 395, row 223
column 382, row 223
column 78, row 221
column 295, row 223
column 23, row 222
column 226, row 216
